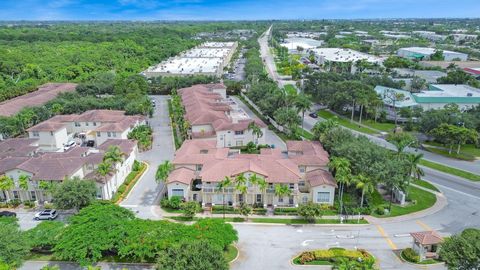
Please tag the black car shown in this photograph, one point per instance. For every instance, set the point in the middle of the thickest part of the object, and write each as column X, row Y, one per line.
column 313, row 115
column 8, row 214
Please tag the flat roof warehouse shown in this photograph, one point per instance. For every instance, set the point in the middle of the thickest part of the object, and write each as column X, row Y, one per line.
column 208, row 58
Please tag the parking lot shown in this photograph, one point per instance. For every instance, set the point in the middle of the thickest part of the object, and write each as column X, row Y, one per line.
column 26, row 219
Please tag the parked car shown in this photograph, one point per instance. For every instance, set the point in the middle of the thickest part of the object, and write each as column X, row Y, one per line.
column 69, row 145
column 90, row 143
column 8, row 214
column 49, row 214
column 313, row 115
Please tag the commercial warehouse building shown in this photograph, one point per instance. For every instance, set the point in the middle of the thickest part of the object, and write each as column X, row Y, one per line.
column 335, row 58
column 208, row 59
column 423, row 53
column 436, row 97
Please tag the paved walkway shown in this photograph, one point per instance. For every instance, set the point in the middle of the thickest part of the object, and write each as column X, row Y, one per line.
column 147, row 192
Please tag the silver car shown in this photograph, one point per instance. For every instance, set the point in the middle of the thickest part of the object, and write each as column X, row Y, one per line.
column 49, row 214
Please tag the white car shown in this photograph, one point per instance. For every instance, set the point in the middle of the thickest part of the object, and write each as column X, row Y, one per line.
column 49, row 214
column 69, row 145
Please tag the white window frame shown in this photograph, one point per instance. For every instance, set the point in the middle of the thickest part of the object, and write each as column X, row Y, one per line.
column 321, row 199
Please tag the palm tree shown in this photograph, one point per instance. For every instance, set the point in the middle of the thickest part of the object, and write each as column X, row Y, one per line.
column 413, row 160
column 282, row 190
column 104, row 169
column 113, row 154
column 225, row 183
column 365, row 185
column 6, row 184
column 262, row 186
column 23, row 182
column 256, row 131
column 241, row 186
column 341, row 168
column 303, row 103
column 163, row 171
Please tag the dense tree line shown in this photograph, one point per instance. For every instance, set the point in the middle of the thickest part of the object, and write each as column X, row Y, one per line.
column 104, row 229
column 33, row 54
column 104, row 92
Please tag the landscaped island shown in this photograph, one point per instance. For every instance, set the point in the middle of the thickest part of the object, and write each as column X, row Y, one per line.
column 337, row 257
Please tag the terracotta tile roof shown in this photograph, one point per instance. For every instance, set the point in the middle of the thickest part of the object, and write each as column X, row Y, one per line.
column 58, row 165
column 275, row 166
column 307, row 153
column 101, row 116
column 182, row 175
column 122, row 125
column 17, row 147
column 427, row 237
column 44, row 94
column 48, row 125
column 320, row 177
column 127, row 146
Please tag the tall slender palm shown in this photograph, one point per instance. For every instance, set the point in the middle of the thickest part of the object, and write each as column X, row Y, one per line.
column 341, row 168
column 225, row 183
column 113, row 155
column 163, row 171
column 365, row 184
column 413, row 170
column 256, row 131
column 241, row 186
column 23, row 182
column 104, row 169
column 282, row 190
column 6, row 184
column 262, row 186
column 303, row 103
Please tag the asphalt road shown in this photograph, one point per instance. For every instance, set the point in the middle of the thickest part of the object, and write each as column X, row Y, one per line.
column 147, row 192
column 273, row 246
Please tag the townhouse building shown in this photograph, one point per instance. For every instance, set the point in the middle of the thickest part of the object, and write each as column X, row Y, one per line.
column 214, row 116
column 199, row 167
column 23, row 157
column 94, row 126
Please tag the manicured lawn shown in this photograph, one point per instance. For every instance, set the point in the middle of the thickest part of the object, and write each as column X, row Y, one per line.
column 307, row 135
column 450, row 170
column 387, row 127
column 277, row 220
column 290, row 89
column 426, row 184
column 424, row 200
column 444, row 152
column 231, row 253
column 469, row 149
column 344, row 122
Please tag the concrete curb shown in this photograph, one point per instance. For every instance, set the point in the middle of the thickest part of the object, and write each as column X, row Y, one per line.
column 439, row 205
column 238, row 255
column 421, row 266
column 138, row 178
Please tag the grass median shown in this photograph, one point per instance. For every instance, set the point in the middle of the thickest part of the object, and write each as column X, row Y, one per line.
column 286, row 221
column 450, row 170
column 346, row 123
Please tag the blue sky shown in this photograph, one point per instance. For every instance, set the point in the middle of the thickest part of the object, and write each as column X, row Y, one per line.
column 233, row 9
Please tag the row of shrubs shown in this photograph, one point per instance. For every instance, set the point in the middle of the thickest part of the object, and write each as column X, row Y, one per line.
column 136, row 169
column 173, row 203
column 336, row 255
column 10, row 204
column 293, row 211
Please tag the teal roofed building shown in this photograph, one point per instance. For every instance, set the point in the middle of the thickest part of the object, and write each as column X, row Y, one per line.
column 436, row 97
